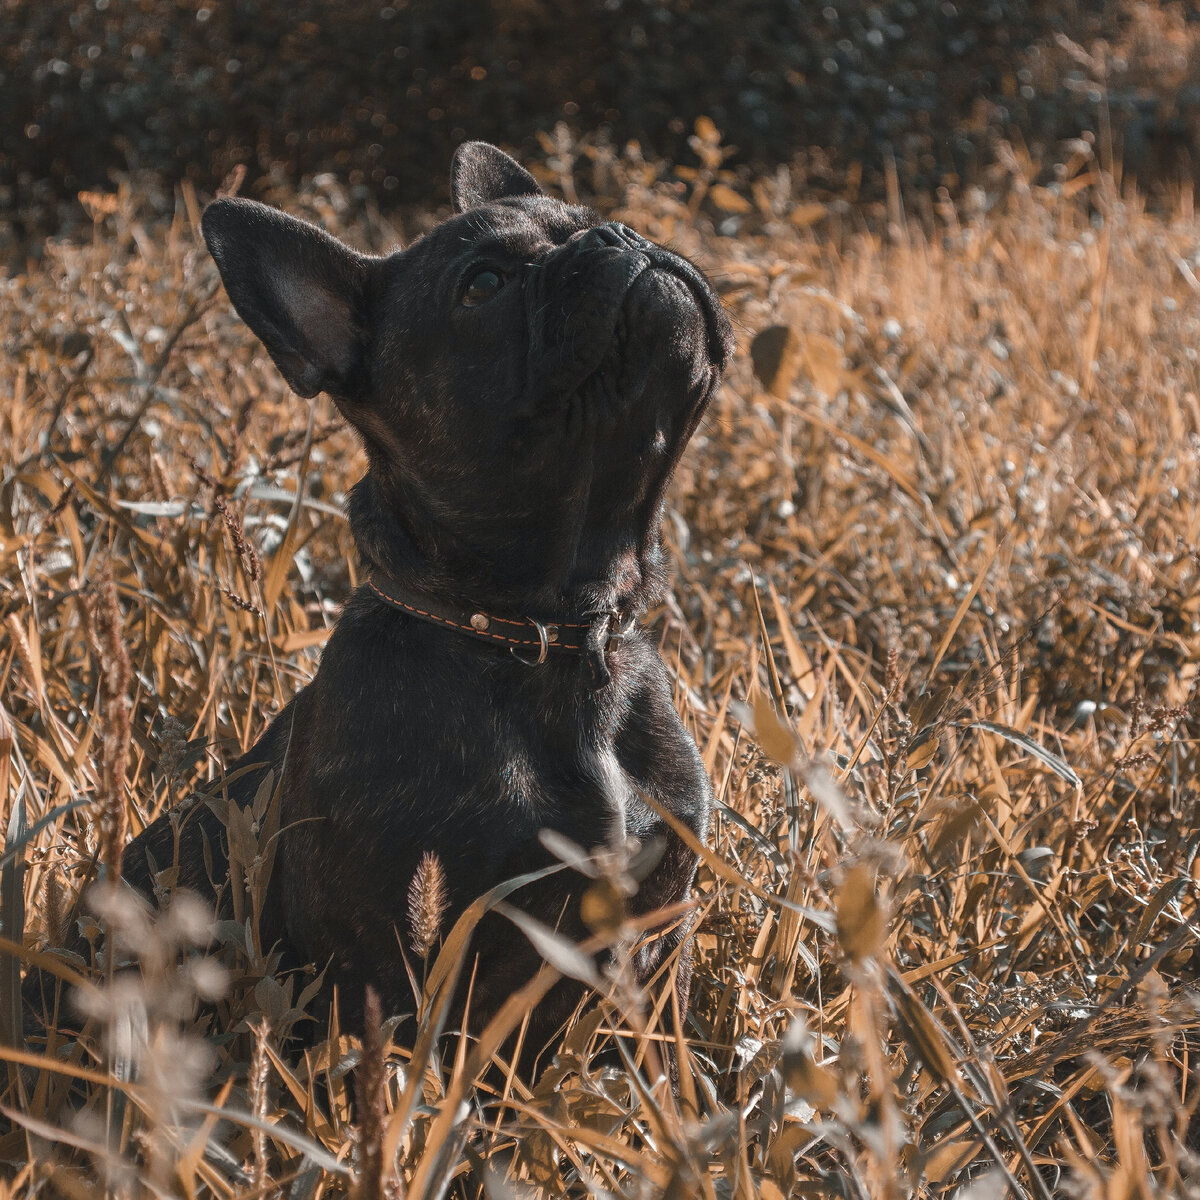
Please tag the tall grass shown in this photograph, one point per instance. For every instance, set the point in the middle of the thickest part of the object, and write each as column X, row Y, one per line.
column 935, row 627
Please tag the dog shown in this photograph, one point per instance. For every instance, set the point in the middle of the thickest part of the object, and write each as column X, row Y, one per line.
column 524, row 379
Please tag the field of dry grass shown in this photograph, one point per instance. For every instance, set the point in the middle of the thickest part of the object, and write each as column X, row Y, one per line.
column 936, row 623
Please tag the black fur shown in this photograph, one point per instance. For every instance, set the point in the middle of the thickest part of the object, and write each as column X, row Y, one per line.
column 519, row 447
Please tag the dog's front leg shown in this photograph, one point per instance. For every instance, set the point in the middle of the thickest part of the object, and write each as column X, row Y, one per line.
column 661, row 760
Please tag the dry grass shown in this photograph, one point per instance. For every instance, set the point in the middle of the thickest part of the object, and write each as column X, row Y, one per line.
column 954, row 544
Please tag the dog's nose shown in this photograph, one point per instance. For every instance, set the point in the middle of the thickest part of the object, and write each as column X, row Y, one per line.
column 612, row 234
column 630, row 237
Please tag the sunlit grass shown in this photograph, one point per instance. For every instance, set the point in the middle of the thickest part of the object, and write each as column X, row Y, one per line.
column 943, row 565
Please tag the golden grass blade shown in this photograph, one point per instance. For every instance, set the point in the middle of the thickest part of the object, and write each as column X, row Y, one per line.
column 52, row 1134
column 12, row 896
column 56, row 814
column 560, row 952
column 12, row 903
column 960, row 612
column 1061, row 768
column 278, row 1132
column 798, row 660
column 772, row 670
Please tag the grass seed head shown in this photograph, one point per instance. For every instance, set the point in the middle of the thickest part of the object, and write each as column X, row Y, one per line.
column 427, row 901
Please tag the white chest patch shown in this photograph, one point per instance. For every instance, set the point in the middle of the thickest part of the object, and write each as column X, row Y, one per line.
column 618, row 794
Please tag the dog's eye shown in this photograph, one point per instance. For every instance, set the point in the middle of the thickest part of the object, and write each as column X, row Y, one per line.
column 482, row 286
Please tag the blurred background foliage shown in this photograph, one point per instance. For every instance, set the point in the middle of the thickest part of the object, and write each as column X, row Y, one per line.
column 380, row 91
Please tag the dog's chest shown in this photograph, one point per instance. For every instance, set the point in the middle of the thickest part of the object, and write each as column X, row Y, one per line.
column 444, row 754
column 537, row 784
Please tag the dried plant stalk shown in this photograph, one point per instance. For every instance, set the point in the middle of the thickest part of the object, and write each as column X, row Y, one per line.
column 24, row 652
column 369, row 1081
column 260, row 1066
column 107, row 630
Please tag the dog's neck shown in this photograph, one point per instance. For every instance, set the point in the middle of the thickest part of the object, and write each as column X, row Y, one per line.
column 626, row 582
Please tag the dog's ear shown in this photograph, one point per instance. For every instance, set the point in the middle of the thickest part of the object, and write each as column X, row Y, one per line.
column 481, row 173
column 300, row 290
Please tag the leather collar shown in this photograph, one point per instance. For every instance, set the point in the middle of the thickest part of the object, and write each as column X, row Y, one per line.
column 529, row 640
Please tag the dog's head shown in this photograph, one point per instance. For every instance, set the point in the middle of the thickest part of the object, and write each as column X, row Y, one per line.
column 524, row 378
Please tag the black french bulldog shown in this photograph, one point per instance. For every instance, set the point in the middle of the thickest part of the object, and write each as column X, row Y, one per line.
column 524, row 378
